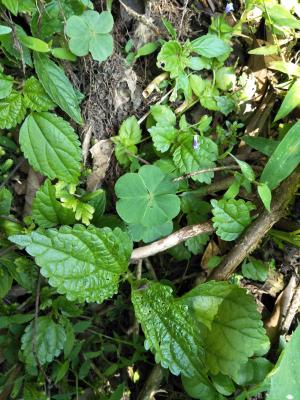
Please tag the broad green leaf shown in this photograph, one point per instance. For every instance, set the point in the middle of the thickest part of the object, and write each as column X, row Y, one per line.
column 199, row 63
column 265, row 194
column 187, row 159
column 265, row 50
column 12, row 110
column 253, row 372
column 57, row 86
column 284, row 160
column 63, row 54
column 89, row 32
column 163, row 136
column 43, row 337
column 285, row 377
column 246, row 169
column 4, row 30
column 34, row 43
column 286, row 67
column 83, row 263
column 5, row 201
column 6, row 85
column 147, row 49
column 11, row 5
column 5, row 282
column 200, row 389
column 255, row 269
column 16, row 319
column 35, row 96
column 290, row 101
column 51, row 146
column 173, row 58
column 197, row 84
column 171, row 332
column 264, row 145
column 149, row 234
column 47, row 211
column 210, row 46
column 279, row 15
column 234, row 331
column 163, row 114
column 147, row 197
column 8, row 46
column 231, row 217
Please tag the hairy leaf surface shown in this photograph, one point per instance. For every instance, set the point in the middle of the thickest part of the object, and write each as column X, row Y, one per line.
column 83, row 263
column 51, row 146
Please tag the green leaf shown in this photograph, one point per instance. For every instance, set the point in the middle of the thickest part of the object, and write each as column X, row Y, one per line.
column 5, row 201
column 4, row 30
column 210, row 46
column 89, row 32
column 265, row 194
column 43, row 337
column 163, row 136
column 47, row 211
column 255, row 269
column 286, row 67
column 284, row 160
column 51, row 146
column 264, row 145
column 63, row 54
column 6, row 85
column 11, row 5
column 35, row 96
column 253, row 372
column 171, row 332
column 279, row 15
column 5, row 282
column 188, row 159
column 285, row 377
column 197, row 84
column 231, row 217
column 200, row 389
column 147, row 49
column 246, row 169
column 57, row 86
column 149, row 234
column 83, row 263
column 163, row 115
column 147, row 197
column 265, row 50
column 34, row 43
column 233, row 329
column 129, row 136
column 225, row 78
column 12, row 110
column 291, row 101
column 173, row 58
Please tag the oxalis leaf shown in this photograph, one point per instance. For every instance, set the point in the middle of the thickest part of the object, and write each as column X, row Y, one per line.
column 171, row 332
column 234, row 330
column 83, row 263
column 57, row 86
column 46, row 338
column 51, row 146
column 147, row 197
column 231, row 217
column 47, row 211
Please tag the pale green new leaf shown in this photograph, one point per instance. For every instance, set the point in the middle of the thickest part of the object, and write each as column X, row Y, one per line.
column 188, row 159
column 35, row 96
column 147, row 197
column 11, row 5
column 12, row 110
column 89, row 32
column 43, row 338
column 57, row 86
column 210, row 46
column 285, row 378
column 284, row 160
column 83, row 263
column 231, row 217
column 234, row 331
column 172, row 334
column 51, row 146
column 47, row 211
column 290, row 101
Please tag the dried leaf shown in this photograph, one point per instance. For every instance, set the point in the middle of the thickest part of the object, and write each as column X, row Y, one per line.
column 101, row 153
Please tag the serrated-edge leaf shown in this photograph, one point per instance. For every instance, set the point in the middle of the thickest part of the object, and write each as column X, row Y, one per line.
column 35, row 96
column 57, row 86
column 12, row 110
column 51, row 146
column 83, row 263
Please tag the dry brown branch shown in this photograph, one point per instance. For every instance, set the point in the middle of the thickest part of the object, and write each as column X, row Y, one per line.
column 260, row 227
column 203, row 171
column 292, row 310
column 170, row 241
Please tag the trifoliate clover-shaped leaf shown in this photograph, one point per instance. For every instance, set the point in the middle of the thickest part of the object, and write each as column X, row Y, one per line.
column 12, row 110
column 125, row 143
column 47, row 211
column 51, row 146
column 231, row 217
column 89, row 32
column 150, row 233
column 83, row 263
column 172, row 333
column 173, row 58
column 35, row 96
column 234, row 329
column 43, row 339
column 188, row 159
column 147, row 197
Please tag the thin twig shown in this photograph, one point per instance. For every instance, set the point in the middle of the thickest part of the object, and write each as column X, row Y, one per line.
column 292, row 310
column 137, row 157
column 203, row 171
